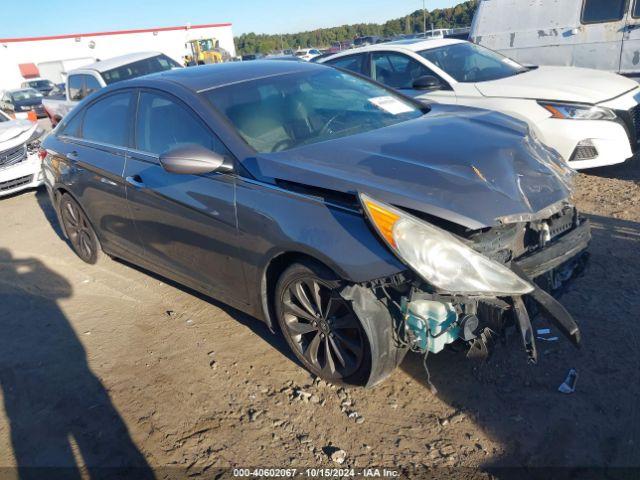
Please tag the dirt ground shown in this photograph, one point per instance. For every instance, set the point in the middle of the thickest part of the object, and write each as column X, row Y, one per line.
column 107, row 366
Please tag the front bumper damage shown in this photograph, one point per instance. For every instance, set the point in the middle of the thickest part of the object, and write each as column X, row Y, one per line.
column 401, row 313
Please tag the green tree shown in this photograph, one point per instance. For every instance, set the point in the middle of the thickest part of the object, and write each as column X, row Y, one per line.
column 459, row 16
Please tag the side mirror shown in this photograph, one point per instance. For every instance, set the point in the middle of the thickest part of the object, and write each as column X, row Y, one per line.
column 192, row 160
column 427, row 82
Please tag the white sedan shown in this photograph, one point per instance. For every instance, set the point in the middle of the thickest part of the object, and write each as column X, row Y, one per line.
column 307, row 54
column 20, row 165
column 591, row 117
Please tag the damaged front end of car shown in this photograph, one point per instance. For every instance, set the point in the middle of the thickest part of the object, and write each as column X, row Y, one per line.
column 476, row 210
column 468, row 287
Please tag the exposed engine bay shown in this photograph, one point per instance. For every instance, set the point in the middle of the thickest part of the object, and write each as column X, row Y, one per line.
column 547, row 253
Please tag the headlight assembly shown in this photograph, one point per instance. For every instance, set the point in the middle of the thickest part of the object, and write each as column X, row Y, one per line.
column 573, row 111
column 440, row 258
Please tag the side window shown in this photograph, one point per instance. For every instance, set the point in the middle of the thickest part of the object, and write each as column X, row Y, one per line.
column 91, row 85
column 75, row 87
column 355, row 63
column 602, row 11
column 636, row 9
column 397, row 70
column 72, row 127
column 163, row 124
column 107, row 120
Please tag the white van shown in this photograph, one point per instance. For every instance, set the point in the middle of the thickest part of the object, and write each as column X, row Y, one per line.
column 602, row 34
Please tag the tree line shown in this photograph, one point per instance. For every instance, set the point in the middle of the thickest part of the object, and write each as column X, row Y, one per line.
column 459, row 16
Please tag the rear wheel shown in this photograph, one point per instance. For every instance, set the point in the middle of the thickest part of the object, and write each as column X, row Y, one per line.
column 320, row 326
column 83, row 239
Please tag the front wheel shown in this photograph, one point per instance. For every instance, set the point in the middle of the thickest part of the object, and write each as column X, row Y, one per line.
column 320, row 326
column 83, row 239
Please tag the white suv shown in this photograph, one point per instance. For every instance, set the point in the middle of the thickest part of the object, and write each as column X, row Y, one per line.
column 590, row 117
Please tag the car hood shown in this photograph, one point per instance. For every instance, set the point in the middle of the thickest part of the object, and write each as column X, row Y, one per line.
column 468, row 166
column 567, row 84
column 15, row 132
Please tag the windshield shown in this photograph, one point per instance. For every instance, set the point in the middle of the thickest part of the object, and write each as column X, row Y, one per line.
column 27, row 94
column 40, row 84
column 467, row 62
column 283, row 112
column 207, row 45
column 159, row 63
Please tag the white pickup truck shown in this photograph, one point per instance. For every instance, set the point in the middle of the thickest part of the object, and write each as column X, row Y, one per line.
column 86, row 80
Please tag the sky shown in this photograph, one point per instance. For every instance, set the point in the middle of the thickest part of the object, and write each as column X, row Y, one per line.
column 53, row 17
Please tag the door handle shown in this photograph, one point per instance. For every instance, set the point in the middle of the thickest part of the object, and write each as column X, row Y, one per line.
column 73, row 155
column 108, row 182
column 136, row 181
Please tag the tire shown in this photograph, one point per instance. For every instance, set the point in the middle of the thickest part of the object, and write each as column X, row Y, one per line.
column 320, row 326
column 78, row 230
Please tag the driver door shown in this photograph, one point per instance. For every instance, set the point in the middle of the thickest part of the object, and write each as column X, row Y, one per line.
column 187, row 223
column 399, row 71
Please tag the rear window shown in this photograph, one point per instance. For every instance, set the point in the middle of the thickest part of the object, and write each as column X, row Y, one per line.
column 602, row 11
column 159, row 63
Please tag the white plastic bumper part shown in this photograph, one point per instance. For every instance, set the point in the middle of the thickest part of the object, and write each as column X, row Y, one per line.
column 609, row 138
column 22, row 176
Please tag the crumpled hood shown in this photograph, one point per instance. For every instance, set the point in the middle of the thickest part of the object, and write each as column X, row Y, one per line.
column 567, row 84
column 465, row 165
column 15, row 130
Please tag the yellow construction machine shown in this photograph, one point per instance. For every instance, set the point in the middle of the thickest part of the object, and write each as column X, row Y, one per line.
column 204, row 51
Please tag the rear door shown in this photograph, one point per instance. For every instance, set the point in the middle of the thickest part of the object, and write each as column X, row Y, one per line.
column 187, row 223
column 95, row 143
column 630, row 58
column 599, row 37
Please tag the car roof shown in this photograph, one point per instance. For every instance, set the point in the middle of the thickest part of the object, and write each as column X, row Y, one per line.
column 208, row 77
column 410, row 44
column 115, row 62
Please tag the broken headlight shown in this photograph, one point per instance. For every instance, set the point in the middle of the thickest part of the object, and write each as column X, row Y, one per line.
column 439, row 257
column 574, row 111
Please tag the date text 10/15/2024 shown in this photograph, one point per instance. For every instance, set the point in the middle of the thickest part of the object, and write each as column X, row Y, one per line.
column 315, row 473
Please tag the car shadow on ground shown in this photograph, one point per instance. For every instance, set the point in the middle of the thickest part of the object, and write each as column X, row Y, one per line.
column 519, row 406
column 60, row 414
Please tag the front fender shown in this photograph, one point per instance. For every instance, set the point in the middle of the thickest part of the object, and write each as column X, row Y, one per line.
column 274, row 221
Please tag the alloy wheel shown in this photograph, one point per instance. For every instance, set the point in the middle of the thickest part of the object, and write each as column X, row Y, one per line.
column 323, row 328
column 79, row 231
